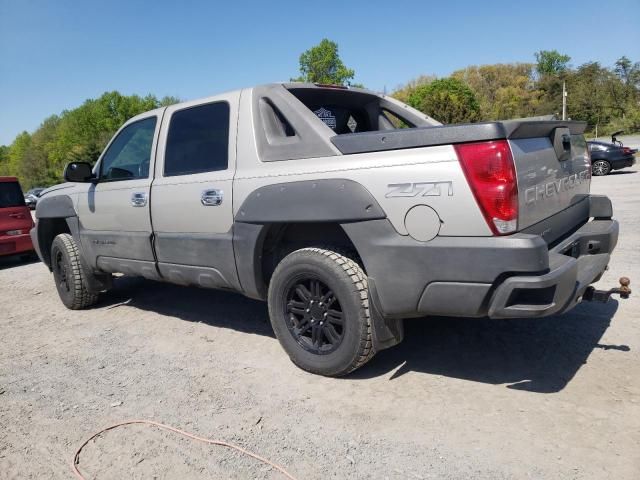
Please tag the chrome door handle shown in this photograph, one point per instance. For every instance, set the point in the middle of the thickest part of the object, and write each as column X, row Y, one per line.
column 139, row 199
column 211, row 197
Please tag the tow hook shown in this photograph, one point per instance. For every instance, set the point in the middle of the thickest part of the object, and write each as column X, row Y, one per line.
column 593, row 295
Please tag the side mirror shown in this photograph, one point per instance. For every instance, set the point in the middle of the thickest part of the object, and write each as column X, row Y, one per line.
column 79, row 172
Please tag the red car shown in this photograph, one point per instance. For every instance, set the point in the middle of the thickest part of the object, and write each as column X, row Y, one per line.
column 15, row 219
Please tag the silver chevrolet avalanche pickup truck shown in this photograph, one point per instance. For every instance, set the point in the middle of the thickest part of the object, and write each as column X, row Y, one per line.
column 346, row 210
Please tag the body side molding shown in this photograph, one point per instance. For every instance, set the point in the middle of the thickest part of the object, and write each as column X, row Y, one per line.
column 57, row 206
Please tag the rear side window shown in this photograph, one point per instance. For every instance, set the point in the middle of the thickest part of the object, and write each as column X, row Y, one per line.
column 351, row 111
column 198, row 140
column 11, row 195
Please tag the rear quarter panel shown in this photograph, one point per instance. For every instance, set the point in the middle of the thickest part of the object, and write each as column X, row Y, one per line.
column 398, row 180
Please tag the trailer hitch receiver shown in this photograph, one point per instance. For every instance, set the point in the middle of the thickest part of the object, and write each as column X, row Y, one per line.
column 593, row 295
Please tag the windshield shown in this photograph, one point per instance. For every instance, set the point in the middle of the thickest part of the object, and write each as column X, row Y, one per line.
column 11, row 195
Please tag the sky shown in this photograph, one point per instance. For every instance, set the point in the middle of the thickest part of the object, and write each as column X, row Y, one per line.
column 56, row 54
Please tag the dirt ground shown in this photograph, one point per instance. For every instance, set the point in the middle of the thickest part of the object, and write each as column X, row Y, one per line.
column 461, row 398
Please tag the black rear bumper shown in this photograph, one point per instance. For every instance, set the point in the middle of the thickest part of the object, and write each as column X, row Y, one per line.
column 574, row 264
column 501, row 277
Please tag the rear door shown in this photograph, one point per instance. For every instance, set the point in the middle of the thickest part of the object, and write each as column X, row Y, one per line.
column 191, row 207
column 114, row 212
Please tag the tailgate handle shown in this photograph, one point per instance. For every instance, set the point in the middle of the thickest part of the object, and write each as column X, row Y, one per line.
column 561, row 141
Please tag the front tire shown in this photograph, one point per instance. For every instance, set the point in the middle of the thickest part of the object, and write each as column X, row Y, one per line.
column 600, row 168
column 68, row 274
column 319, row 310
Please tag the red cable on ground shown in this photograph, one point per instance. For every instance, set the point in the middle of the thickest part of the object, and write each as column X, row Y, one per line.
column 76, row 457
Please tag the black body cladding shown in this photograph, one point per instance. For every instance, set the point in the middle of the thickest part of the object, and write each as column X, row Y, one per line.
column 335, row 200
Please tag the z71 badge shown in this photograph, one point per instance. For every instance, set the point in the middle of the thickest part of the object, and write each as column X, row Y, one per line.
column 422, row 189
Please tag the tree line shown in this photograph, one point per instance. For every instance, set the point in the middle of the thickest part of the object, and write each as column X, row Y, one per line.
column 81, row 134
column 607, row 98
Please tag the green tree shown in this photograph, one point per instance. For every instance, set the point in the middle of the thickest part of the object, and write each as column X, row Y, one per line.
column 448, row 100
column 552, row 68
column 35, row 167
column 627, row 71
column 17, row 152
column 4, row 160
column 503, row 90
column 551, row 62
column 78, row 134
column 322, row 64
column 627, row 95
column 596, row 94
column 168, row 100
column 403, row 92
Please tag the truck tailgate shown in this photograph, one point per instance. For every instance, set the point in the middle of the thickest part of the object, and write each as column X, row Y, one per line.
column 553, row 171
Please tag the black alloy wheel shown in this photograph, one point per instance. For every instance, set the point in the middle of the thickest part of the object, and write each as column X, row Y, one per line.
column 319, row 310
column 315, row 317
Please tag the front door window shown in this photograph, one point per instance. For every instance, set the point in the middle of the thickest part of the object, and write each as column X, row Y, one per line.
column 129, row 155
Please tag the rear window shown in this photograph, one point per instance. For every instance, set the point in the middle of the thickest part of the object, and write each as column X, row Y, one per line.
column 348, row 111
column 11, row 195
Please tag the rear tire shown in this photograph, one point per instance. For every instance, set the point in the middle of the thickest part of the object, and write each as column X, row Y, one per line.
column 68, row 274
column 600, row 168
column 319, row 310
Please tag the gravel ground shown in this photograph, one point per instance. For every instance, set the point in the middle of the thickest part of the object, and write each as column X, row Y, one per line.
column 461, row 398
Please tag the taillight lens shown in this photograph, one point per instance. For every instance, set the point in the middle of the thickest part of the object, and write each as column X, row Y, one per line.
column 490, row 172
column 626, row 150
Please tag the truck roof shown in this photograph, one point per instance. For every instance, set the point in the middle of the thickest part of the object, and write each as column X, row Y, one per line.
column 287, row 85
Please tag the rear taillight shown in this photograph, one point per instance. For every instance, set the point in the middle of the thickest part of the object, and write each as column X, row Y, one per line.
column 491, row 174
column 626, row 150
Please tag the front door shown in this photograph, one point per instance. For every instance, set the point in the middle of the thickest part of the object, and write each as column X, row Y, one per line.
column 191, row 208
column 114, row 212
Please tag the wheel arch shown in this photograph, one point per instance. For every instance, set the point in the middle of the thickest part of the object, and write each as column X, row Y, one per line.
column 55, row 214
column 276, row 219
column 48, row 229
column 259, row 248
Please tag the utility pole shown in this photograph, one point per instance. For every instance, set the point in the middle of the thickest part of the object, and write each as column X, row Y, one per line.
column 564, row 100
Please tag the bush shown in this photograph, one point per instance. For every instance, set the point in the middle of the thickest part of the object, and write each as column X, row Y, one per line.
column 448, row 100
